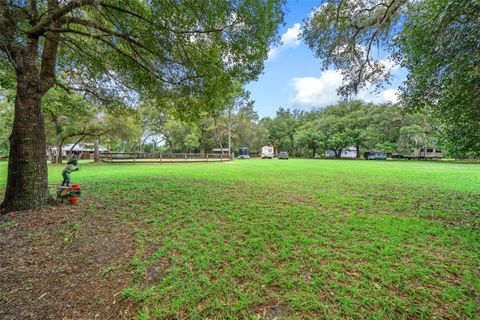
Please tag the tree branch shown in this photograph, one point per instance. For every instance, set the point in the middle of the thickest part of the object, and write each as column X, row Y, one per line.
column 78, row 141
column 7, row 33
column 57, row 13
column 98, row 27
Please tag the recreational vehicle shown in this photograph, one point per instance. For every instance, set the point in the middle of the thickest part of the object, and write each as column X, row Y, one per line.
column 426, row 153
column 243, row 153
column 267, row 152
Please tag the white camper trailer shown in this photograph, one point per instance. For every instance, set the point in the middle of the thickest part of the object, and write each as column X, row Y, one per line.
column 267, row 152
column 426, row 153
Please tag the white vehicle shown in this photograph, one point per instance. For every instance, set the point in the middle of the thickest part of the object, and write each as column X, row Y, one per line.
column 267, row 152
column 427, row 153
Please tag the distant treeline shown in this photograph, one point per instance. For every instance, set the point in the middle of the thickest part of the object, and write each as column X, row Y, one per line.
column 365, row 126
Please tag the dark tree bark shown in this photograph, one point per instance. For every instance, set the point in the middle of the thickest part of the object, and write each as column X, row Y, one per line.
column 61, row 141
column 338, row 153
column 59, row 152
column 27, row 182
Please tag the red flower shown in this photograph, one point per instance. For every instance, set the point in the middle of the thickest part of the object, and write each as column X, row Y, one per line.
column 74, row 187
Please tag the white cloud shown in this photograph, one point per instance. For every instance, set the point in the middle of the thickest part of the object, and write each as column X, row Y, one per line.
column 290, row 39
column 390, row 64
column 273, row 52
column 322, row 91
column 390, row 95
column 311, row 91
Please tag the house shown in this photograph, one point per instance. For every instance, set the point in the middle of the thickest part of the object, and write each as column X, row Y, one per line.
column 349, row 152
column 85, row 150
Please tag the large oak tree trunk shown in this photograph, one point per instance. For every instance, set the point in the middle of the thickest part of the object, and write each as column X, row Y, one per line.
column 27, row 179
column 51, row 155
column 96, row 151
column 141, row 148
column 59, row 152
column 27, row 182
column 338, row 153
column 229, row 139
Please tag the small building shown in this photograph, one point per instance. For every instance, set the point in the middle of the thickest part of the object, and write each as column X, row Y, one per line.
column 349, row 152
column 220, row 150
column 223, row 152
column 84, row 150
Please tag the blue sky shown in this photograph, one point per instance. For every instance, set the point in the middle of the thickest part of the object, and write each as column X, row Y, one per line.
column 293, row 78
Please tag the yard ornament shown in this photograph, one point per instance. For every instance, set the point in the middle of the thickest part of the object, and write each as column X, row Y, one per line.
column 71, row 166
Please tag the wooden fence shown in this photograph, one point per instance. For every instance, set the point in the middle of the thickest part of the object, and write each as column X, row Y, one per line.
column 126, row 157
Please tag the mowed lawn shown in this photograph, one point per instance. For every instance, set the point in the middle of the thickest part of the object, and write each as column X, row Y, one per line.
column 295, row 239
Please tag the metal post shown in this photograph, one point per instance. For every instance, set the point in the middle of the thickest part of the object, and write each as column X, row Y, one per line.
column 207, row 157
column 185, row 158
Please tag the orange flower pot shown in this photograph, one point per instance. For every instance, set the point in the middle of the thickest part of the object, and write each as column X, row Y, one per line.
column 73, row 199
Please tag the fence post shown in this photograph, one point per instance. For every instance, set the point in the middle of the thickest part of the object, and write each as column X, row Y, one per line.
column 134, row 158
column 207, row 157
column 160, row 157
column 185, row 158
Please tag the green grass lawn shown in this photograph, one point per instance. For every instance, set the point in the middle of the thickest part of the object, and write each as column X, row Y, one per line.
column 295, row 239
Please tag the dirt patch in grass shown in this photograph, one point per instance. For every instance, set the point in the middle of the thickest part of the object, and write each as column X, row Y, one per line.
column 301, row 200
column 272, row 311
column 155, row 273
column 63, row 263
